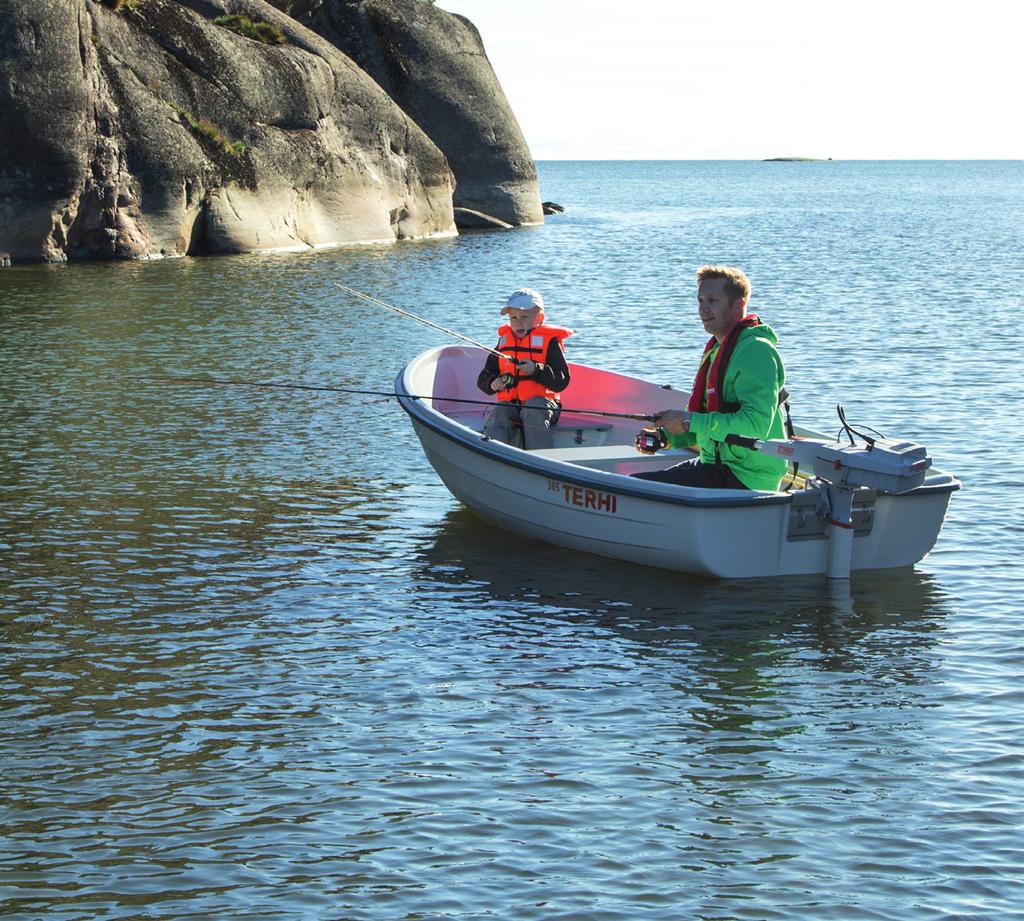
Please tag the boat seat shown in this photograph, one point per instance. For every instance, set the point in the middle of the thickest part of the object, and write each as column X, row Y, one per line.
column 569, row 431
column 624, row 459
column 571, row 435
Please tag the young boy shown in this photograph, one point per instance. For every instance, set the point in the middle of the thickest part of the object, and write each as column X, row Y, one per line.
column 529, row 376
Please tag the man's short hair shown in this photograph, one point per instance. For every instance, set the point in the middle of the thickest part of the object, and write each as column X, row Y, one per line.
column 736, row 282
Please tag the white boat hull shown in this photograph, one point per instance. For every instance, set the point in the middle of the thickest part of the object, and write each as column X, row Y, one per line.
column 579, row 497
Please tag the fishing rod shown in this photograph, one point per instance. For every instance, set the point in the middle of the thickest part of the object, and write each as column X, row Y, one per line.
column 412, row 316
column 375, row 393
column 479, row 345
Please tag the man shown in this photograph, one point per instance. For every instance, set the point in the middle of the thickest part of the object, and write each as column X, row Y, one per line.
column 736, row 392
column 529, row 376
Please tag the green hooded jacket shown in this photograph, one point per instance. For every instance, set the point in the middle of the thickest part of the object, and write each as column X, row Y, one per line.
column 753, row 379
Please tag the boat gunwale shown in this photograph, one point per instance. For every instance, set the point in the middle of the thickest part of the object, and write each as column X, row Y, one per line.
column 456, row 432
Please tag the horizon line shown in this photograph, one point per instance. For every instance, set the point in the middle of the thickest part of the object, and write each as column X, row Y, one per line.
column 779, row 159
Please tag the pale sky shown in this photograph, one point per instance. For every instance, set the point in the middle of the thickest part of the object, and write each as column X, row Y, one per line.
column 750, row 79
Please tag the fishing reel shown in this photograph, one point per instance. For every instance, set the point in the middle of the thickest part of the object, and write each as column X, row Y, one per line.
column 651, row 441
column 507, row 381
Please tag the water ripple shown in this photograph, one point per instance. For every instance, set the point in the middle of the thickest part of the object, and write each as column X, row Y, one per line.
column 256, row 663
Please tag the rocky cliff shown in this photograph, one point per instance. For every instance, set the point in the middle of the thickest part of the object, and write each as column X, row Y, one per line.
column 141, row 128
column 433, row 64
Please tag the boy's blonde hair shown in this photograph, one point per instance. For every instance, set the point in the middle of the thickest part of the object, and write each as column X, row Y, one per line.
column 736, row 282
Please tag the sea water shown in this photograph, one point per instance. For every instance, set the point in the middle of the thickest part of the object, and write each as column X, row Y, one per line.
column 258, row 663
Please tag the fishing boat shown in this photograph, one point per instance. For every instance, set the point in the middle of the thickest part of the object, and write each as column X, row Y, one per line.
column 867, row 504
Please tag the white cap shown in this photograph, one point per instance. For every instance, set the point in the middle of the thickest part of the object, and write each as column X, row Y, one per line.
column 523, row 299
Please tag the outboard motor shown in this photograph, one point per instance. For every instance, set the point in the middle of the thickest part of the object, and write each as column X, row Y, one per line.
column 886, row 465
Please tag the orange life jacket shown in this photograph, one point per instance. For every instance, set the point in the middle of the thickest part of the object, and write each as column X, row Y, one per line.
column 534, row 347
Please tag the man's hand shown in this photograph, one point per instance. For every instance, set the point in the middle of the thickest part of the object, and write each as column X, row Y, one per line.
column 527, row 368
column 674, row 421
column 501, row 382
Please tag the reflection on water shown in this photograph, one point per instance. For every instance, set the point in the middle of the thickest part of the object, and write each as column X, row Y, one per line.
column 468, row 551
column 710, row 626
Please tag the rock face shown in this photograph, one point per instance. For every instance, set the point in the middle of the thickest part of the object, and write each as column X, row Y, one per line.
column 140, row 128
column 433, row 64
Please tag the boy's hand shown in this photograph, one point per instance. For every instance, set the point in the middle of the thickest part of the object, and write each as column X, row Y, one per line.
column 501, row 382
column 527, row 368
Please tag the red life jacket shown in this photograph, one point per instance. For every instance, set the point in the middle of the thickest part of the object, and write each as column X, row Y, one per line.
column 534, row 347
column 710, row 379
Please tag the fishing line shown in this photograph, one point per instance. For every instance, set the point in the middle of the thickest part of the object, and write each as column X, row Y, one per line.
column 407, row 313
column 382, row 393
column 412, row 316
column 391, row 394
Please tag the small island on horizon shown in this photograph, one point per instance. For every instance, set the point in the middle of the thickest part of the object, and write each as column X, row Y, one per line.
column 797, row 160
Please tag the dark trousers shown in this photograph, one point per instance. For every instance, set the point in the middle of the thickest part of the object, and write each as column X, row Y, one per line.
column 694, row 473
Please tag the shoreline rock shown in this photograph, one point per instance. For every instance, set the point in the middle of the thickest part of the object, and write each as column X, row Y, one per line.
column 138, row 129
column 433, row 64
